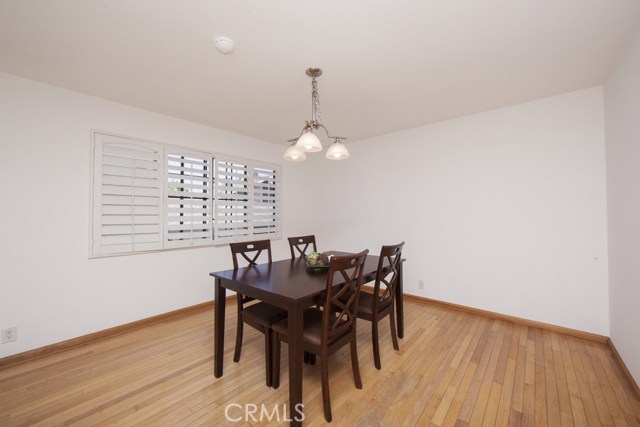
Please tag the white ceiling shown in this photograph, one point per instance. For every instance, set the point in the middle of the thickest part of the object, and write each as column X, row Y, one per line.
column 388, row 65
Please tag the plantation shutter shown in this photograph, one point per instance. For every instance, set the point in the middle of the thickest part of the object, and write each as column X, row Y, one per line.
column 188, row 198
column 151, row 196
column 266, row 202
column 232, row 207
column 247, row 200
column 127, row 205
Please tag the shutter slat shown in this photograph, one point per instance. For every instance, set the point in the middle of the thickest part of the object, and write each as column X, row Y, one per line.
column 135, row 151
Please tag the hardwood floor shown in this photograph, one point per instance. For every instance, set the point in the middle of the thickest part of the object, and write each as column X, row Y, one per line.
column 453, row 369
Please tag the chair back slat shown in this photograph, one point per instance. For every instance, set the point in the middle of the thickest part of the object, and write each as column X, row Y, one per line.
column 250, row 251
column 339, row 316
column 299, row 245
column 387, row 275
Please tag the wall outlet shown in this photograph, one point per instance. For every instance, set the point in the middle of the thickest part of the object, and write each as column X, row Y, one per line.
column 420, row 284
column 9, row 334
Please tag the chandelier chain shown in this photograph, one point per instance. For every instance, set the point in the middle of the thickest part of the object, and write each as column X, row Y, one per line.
column 316, row 99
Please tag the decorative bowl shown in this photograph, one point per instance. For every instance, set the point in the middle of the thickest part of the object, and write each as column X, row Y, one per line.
column 317, row 267
column 317, row 261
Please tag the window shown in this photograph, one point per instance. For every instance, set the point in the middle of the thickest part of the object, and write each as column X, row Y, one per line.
column 151, row 196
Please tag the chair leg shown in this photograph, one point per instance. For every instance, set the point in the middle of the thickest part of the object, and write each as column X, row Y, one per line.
column 376, row 344
column 268, row 356
column 324, row 374
column 394, row 336
column 275, row 361
column 354, row 362
column 236, row 354
column 309, row 358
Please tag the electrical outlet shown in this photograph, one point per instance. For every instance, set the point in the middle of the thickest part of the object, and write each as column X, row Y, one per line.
column 9, row 334
column 420, row 284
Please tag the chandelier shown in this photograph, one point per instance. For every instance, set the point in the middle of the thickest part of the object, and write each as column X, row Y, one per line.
column 308, row 141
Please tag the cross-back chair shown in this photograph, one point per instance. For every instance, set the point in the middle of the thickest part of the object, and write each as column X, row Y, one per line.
column 375, row 306
column 259, row 315
column 327, row 330
column 301, row 244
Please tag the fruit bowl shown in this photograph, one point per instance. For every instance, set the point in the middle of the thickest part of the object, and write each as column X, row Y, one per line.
column 317, row 261
column 318, row 267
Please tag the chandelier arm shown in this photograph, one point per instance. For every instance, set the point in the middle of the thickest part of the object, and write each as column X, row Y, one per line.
column 320, row 125
column 304, row 129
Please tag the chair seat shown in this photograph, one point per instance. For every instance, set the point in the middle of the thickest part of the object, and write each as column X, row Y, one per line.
column 263, row 313
column 312, row 332
column 365, row 303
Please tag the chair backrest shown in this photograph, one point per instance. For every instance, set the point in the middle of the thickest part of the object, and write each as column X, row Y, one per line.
column 339, row 315
column 301, row 244
column 384, row 289
column 250, row 251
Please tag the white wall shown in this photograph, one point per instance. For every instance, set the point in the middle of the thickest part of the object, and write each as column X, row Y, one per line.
column 49, row 288
column 503, row 210
column 622, row 118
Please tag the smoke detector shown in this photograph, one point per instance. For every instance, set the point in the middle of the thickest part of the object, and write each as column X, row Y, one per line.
column 224, row 45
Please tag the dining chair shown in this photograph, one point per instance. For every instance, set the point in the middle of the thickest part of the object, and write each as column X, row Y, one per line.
column 259, row 315
column 375, row 306
column 327, row 330
column 299, row 245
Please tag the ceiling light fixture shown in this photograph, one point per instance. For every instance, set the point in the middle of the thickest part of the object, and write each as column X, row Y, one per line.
column 308, row 141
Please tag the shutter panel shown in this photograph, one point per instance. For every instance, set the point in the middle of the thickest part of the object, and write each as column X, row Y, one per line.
column 247, row 200
column 266, row 202
column 232, row 192
column 188, row 198
column 127, row 195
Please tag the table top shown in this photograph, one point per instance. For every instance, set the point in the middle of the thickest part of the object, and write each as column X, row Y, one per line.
column 288, row 280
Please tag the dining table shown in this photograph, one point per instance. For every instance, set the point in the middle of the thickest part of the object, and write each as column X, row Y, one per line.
column 292, row 286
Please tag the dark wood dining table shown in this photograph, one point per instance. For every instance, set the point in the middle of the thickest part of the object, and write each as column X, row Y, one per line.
column 290, row 285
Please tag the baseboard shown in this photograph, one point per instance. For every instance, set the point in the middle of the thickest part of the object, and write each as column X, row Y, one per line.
column 117, row 330
column 616, row 355
column 518, row 320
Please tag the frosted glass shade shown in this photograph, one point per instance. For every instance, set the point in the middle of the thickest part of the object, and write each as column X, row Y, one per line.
column 294, row 154
column 309, row 142
column 337, row 151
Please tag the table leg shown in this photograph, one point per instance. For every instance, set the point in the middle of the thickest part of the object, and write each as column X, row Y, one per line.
column 218, row 342
column 295, row 365
column 400, row 303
